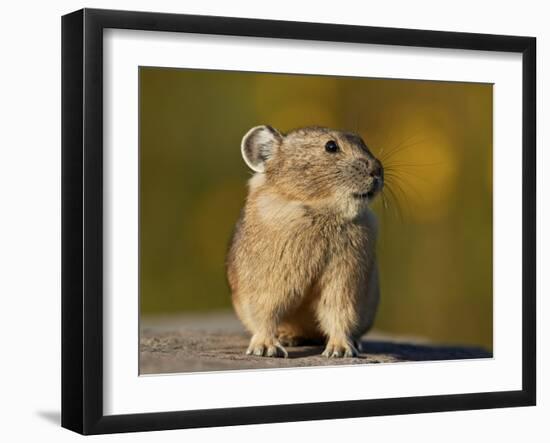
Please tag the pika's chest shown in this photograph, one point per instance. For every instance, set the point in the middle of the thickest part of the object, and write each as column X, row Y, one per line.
column 291, row 230
column 320, row 240
column 345, row 239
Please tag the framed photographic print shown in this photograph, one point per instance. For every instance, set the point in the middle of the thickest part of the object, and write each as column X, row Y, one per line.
column 269, row 221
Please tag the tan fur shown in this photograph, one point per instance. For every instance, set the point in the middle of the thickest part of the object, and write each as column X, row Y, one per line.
column 302, row 262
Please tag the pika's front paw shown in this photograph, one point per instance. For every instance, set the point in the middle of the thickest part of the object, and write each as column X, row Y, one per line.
column 269, row 347
column 340, row 349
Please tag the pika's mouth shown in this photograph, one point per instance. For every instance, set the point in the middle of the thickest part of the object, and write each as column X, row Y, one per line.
column 376, row 186
column 363, row 195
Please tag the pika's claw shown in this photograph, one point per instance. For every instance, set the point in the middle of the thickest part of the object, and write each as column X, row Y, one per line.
column 339, row 350
column 266, row 348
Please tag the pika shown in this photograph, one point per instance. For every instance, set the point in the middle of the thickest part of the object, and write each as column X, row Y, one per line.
column 301, row 264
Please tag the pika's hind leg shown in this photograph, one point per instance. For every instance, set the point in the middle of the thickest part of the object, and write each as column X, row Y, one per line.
column 300, row 327
column 290, row 341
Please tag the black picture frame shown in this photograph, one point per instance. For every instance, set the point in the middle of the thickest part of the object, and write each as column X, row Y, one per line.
column 82, row 220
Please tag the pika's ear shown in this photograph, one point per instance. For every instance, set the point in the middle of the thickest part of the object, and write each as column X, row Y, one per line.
column 258, row 145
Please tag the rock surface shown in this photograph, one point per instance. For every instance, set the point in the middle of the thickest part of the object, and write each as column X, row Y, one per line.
column 217, row 342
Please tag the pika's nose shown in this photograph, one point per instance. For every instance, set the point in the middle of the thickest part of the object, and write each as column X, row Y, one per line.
column 376, row 169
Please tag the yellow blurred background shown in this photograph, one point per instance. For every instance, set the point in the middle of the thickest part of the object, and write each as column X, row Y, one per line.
column 435, row 247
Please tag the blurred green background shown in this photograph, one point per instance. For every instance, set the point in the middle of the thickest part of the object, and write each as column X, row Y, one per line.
column 435, row 247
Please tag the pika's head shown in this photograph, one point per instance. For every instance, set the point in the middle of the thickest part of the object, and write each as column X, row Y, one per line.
column 315, row 165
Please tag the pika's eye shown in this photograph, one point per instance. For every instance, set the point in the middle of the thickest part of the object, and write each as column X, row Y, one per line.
column 331, row 146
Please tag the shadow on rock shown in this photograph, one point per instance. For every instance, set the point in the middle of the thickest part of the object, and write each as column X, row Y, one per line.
column 415, row 352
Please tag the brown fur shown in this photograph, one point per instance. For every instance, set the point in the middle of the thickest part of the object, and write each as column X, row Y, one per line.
column 302, row 261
